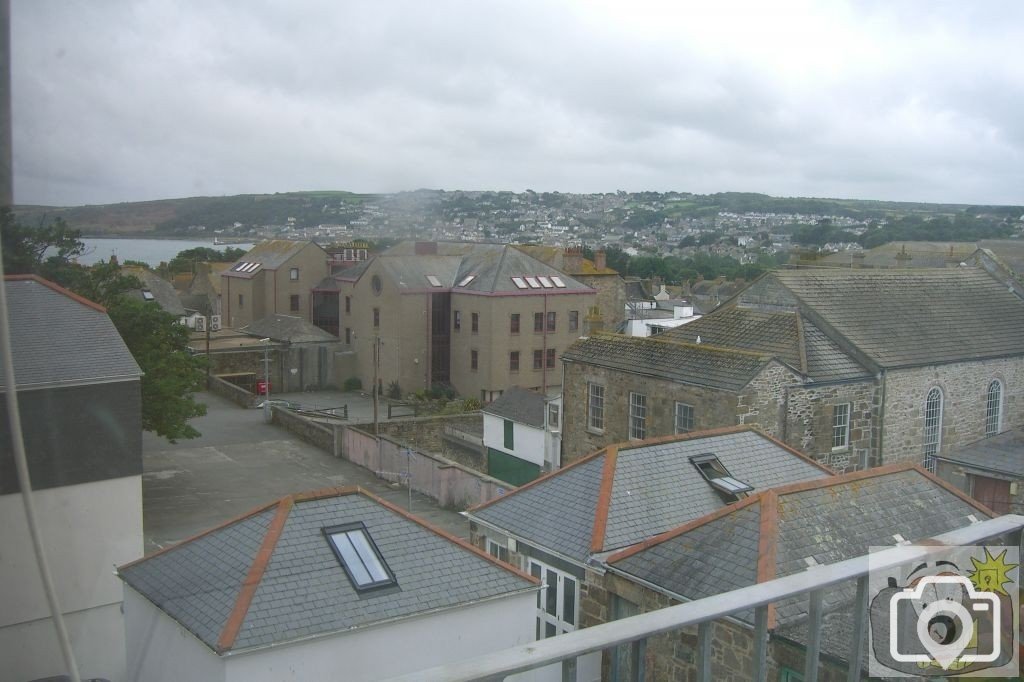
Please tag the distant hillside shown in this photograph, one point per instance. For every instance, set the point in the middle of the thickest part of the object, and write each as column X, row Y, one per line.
column 175, row 216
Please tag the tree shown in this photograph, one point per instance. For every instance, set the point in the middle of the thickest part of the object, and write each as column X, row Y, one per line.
column 155, row 339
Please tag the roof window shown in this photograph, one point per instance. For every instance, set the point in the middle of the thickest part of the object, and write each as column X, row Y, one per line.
column 359, row 556
column 558, row 281
column 545, row 282
column 434, row 281
column 715, row 473
column 466, row 280
column 243, row 266
column 532, row 281
column 519, row 282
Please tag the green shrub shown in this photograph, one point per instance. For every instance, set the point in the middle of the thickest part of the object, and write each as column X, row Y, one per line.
column 353, row 384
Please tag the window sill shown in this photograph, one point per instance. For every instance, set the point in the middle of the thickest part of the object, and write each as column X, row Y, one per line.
column 845, row 448
column 596, row 432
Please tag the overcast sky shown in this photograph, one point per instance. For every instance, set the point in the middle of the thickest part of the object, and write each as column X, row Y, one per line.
column 124, row 101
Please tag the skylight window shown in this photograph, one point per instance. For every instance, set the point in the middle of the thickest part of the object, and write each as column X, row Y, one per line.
column 434, row 281
column 148, row 295
column 558, row 281
column 532, row 281
column 715, row 473
column 519, row 282
column 359, row 556
column 466, row 280
column 545, row 282
column 245, row 267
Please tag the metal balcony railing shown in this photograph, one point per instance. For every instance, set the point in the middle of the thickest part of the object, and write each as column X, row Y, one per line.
column 635, row 630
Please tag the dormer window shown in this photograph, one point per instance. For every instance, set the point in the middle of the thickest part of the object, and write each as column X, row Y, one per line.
column 359, row 556
column 715, row 473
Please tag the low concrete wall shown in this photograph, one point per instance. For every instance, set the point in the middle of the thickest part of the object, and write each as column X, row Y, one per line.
column 427, row 434
column 450, row 483
column 306, row 429
column 228, row 390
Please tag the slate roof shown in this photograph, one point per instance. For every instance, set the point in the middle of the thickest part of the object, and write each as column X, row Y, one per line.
column 1003, row 454
column 779, row 334
column 698, row 364
column 628, row 493
column 901, row 318
column 271, row 577
column 922, row 255
column 772, row 533
column 288, row 328
column 492, row 266
column 270, row 255
column 163, row 291
column 59, row 337
column 519, row 405
column 555, row 257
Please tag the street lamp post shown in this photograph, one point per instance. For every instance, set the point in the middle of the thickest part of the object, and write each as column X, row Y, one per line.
column 267, row 416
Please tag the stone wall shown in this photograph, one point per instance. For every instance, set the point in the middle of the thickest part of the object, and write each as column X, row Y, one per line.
column 235, row 394
column 308, row 430
column 427, row 435
column 712, row 408
column 762, row 401
column 809, row 418
column 611, row 298
column 964, row 386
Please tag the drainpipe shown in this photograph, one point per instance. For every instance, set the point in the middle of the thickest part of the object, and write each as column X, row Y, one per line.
column 881, row 422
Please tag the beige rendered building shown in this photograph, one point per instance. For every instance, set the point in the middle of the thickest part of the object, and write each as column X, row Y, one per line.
column 276, row 276
column 476, row 317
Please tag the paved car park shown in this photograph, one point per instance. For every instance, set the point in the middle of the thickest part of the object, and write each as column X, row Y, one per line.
column 240, row 463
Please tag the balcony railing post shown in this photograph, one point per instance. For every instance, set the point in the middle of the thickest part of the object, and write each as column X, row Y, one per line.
column 860, row 611
column 569, row 670
column 813, row 637
column 760, row 661
column 638, row 652
column 704, row 651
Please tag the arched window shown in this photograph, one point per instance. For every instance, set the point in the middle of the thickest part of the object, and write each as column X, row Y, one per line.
column 932, row 427
column 993, row 408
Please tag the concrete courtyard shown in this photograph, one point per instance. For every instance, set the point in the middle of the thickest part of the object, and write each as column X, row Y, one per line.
column 240, row 463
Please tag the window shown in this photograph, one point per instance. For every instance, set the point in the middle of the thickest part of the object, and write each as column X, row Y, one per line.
column 684, row 418
column 433, row 280
column 993, row 408
column 241, row 301
column 841, row 426
column 595, row 406
column 789, row 675
column 574, row 320
column 538, row 359
column 558, row 282
column 545, row 282
column 457, row 319
column 359, row 556
column 538, row 322
column 557, row 606
column 348, row 335
column 293, row 274
column 497, row 550
column 715, row 473
column 348, row 305
column 637, row 416
column 551, row 321
column 473, row 358
column 510, row 434
column 466, row 280
column 293, row 302
column 550, row 363
column 376, row 317
column 932, row 427
column 513, row 361
column 513, row 324
column 519, row 282
column 474, row 321
column 553, row 414
column 376, row 284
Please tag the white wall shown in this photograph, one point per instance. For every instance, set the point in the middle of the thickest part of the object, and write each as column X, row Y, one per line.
column 87, row 530
column 399, row 648
column 528, row 441
column 160, row 650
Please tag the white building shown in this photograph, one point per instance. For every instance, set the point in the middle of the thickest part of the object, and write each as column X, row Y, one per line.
column 648, row 318
column 79, row 396
column 522, row 434
column 334, row 584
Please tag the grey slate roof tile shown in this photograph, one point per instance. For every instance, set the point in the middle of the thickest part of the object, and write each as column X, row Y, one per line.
column 912, row 317
column 288, row 328
column 56, row 338
column 519, row 405
column 666, row 358
column 303, row 590
column 1003, row 454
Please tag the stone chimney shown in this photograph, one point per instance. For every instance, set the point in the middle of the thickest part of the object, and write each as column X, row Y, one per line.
column 593, row 322
column 600, row 259
column 572, row 260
